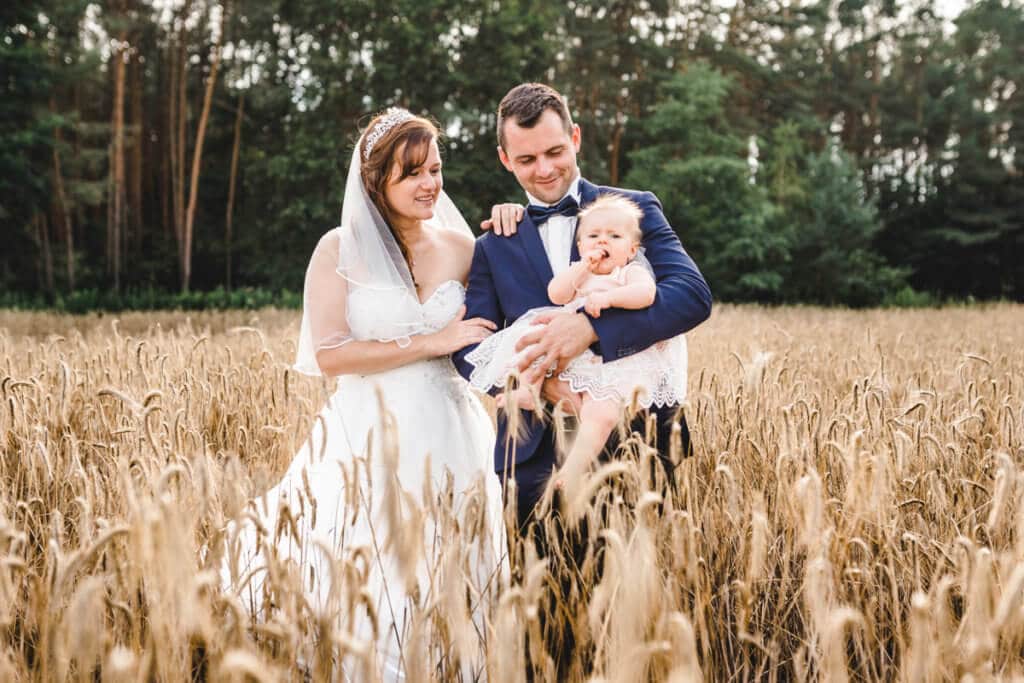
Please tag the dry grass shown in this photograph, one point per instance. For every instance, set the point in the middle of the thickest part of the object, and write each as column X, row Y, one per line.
column 854, row 509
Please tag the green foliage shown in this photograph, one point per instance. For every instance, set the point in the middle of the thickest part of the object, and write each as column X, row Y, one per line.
column 86, row 300
column 803, row 232
column 26, row 132
column 980, row 226
column 834, row 226
column 908, row 297
column 697, row 167
column 887, row 146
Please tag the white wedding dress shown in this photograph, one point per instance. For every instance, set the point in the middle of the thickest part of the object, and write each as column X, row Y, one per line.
column 339, row 506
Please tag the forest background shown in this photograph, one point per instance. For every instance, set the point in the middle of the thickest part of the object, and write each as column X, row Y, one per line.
column 191, row 152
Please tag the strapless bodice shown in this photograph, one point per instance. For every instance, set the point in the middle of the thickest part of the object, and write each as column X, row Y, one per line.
column 368, row 318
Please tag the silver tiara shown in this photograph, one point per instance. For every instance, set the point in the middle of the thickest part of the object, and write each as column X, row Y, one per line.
column 393, row 117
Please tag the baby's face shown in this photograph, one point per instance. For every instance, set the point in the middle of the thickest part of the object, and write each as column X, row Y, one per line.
column 611, row 231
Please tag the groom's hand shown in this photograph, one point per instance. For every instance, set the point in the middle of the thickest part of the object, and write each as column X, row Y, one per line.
column 560, row 337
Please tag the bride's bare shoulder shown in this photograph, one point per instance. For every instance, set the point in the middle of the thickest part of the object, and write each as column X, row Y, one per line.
column 327, row 248
column 458, row 240
column 330, row 240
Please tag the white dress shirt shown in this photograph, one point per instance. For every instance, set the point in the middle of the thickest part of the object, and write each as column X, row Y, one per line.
column 558, row 232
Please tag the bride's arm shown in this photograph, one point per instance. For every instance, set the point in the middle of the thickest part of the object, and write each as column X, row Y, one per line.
column 365, row 357
column 336, row 353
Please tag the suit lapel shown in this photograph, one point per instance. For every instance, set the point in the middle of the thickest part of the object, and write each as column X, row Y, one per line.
column 588, row 193
column 534, row 247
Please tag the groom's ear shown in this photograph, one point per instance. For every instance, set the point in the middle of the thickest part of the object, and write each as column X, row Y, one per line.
column 503, row 157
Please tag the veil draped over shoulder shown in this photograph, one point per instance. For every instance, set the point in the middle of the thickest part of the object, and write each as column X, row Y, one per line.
column 359, row 263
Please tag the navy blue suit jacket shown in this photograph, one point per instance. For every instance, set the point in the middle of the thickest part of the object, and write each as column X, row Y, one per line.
column 510, row 275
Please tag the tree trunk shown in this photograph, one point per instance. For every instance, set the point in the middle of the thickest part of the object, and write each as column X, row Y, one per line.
column 177, row 115
column 613, row 165
column 154, row 160
column 46, row 255
column 197, row 156
column 76, row 152
column 876, row 82
column 65, row 216
column 169, row 152
column 180, row 116
column 735, row 17
column 116, row 230
column 135, row 174
column 229, row 214
column 65, row 211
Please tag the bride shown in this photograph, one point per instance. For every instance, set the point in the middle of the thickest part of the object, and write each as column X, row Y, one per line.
column 391, row 509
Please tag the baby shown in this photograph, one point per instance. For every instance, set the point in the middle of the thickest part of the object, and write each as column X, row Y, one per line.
column 609, row 274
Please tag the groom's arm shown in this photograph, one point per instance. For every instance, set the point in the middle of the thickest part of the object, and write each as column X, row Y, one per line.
column 683, row 298
column 481, row 302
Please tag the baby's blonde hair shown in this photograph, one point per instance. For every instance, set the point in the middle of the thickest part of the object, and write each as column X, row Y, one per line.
column 616, row 202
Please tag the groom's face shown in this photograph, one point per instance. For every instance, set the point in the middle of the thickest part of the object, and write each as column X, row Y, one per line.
column 542, row 158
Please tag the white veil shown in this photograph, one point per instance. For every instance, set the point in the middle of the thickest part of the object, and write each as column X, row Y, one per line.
column 358, row 265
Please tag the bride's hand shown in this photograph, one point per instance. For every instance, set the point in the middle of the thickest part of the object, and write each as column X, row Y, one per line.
column 504, row 219
column 460, row 333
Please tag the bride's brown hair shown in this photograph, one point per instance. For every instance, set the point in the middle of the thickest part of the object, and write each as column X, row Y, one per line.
column 408, row 144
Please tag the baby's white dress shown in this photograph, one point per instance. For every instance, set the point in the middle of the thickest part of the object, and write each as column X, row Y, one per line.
column 656, row 375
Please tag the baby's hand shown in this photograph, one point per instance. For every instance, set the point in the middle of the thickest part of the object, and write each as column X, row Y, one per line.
column 520, row 397
column 594, row 256
column 597, row 302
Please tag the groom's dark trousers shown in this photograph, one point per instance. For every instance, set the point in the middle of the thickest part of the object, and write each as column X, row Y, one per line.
column 510, row 275
column 531, row 476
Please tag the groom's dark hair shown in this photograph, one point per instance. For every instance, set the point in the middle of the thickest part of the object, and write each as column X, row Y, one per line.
column 525, row 104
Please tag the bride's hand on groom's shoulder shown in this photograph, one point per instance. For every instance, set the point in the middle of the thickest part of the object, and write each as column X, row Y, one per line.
column 504, row 219
column 460, row 333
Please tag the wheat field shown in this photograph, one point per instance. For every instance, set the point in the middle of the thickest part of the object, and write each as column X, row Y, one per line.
column 853, row 511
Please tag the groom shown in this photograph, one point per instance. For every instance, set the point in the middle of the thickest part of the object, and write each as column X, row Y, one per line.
column 538, row 143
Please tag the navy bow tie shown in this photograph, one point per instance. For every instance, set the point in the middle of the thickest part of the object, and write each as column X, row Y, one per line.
column 540, row 214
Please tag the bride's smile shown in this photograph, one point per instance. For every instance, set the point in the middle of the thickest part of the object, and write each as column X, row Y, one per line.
column 412, row 193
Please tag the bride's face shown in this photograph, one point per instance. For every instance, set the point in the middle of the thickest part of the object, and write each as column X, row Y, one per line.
column 413, row 197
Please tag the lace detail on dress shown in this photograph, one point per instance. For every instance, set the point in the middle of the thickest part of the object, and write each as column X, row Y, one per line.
column 657, row 375
column 438, row 310
column 658, row 372
column 369, row 319
column 443, row 304
column 495, row 357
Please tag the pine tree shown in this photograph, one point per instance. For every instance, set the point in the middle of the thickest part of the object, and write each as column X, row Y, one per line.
column 698, row 167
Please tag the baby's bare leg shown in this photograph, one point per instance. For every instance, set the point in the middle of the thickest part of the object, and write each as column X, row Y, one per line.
column 597, row 420
column 529, row 394
column 523, row 397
